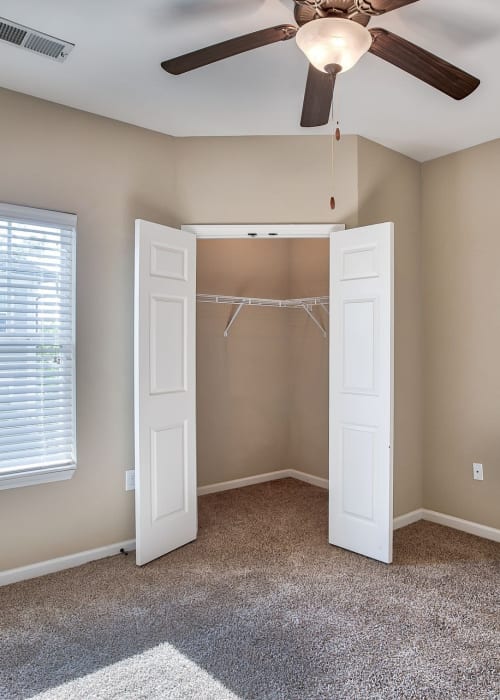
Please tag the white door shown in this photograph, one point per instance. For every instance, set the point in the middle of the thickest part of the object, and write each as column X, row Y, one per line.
column 361, row 390
column 164, row 389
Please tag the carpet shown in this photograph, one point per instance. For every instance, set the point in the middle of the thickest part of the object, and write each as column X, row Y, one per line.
column 261, row 607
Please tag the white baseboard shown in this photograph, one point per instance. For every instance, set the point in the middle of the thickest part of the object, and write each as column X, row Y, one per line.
column 408, row 518
column 50, row 566
column 241, row 483
column 260, row 479
column 489, row 533
column 309, row 478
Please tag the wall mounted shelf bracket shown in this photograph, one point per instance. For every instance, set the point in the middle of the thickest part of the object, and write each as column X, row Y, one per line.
column 306, row 304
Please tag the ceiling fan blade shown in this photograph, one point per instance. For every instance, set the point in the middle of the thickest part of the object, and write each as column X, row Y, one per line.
column 422, row 64
column 378, row 7
column 232, row 47
column 317, row 98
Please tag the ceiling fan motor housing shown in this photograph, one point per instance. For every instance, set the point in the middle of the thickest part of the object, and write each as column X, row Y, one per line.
column 366, row 8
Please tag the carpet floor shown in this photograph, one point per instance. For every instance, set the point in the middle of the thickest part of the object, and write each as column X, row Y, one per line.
column 260, row 606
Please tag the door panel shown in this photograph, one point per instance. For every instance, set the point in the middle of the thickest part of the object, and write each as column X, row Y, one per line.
column 361, row 390
column 165, row 391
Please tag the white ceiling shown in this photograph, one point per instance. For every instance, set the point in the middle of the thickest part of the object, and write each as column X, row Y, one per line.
column 115, row 70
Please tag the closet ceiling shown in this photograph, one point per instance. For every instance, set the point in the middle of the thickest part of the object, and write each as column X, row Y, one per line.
column 115, row 70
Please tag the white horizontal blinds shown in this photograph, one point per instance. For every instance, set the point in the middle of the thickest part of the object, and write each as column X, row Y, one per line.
column 36, row 343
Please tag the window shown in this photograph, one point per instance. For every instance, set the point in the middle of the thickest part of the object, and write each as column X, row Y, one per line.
column 37, row 350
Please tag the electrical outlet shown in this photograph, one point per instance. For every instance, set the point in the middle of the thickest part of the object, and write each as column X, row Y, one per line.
column 477, row 471
column 130, row 480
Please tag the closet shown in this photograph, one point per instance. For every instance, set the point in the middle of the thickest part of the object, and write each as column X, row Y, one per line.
column 257, row 351
column 262, row 357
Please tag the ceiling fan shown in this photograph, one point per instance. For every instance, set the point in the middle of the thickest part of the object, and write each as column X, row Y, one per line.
column 333, row 35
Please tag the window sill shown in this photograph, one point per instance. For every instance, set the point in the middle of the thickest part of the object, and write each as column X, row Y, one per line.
column 37, row 476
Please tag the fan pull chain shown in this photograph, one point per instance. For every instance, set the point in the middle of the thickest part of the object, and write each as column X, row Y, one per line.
column 335, row 137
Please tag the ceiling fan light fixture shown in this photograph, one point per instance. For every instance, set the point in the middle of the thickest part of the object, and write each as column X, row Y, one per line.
column 332, row 41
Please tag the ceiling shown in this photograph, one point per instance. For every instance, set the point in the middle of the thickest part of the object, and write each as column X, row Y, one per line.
column 115, row 70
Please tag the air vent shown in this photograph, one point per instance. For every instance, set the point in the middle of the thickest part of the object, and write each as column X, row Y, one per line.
column 31, row 40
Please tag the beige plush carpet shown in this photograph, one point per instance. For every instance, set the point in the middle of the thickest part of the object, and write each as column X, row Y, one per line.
column 262, row 607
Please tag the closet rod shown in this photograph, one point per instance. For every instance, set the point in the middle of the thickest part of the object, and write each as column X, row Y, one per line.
column 305, row 303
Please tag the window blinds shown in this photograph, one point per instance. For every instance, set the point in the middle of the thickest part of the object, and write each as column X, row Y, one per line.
column 37, row 251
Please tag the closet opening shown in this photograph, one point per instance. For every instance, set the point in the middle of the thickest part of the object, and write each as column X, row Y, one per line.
column 258, row 357
column 262, row 360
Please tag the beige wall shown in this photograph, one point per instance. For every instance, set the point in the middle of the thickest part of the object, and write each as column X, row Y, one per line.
column 390, row 190
column 308, row 360
column 265, row 179
column 108, row 174
column 461, row 298
column 242, row 380
column 263, row 391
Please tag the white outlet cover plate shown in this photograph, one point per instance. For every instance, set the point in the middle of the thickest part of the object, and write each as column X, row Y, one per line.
column 477, row 471
column 130, row 480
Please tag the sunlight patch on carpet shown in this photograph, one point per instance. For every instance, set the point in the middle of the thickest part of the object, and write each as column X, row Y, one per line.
column 156, row 673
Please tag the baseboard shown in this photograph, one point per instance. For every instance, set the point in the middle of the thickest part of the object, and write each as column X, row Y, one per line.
column 408, row 518
column 260, row 479
column 489, row 533
column 309, row 478
column 240, row 483
column 50, row 566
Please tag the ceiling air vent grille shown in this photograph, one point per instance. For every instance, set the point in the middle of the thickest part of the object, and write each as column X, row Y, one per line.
column 46, row 46
column 35, row 41
column 15, row 35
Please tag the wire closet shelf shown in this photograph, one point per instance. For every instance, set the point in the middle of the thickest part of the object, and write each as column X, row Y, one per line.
column 307, row 304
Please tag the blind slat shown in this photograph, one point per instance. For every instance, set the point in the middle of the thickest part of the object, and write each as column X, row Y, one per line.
column 12, row 257
column 17, row 397
column 51, row 442
column 33, row 374
column 20, row 292
column 33, row 350
column 48, row 426
column 42, row 461
column 49, row 413
column 49, row 313
column 47, row 237
column 30, row 386
column 39, row 305
column 23, row 282
column 55, row 447
column 20, row 247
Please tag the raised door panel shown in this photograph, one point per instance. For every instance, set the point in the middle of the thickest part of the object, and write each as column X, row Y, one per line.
column 167, row 344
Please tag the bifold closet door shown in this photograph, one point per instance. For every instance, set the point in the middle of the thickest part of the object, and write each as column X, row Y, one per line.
column 361, row 390
column 164, row 389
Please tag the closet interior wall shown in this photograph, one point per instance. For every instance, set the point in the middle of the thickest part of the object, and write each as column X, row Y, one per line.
column 262, row 402
column 308, row 359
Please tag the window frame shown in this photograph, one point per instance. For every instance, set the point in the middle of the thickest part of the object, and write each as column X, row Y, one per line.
column 56, row 472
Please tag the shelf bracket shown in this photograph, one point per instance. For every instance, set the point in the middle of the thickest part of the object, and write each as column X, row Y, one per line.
column 233, row 319
column 314, row 319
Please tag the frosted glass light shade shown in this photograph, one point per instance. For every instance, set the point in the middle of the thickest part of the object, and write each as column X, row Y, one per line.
column 333, row 41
